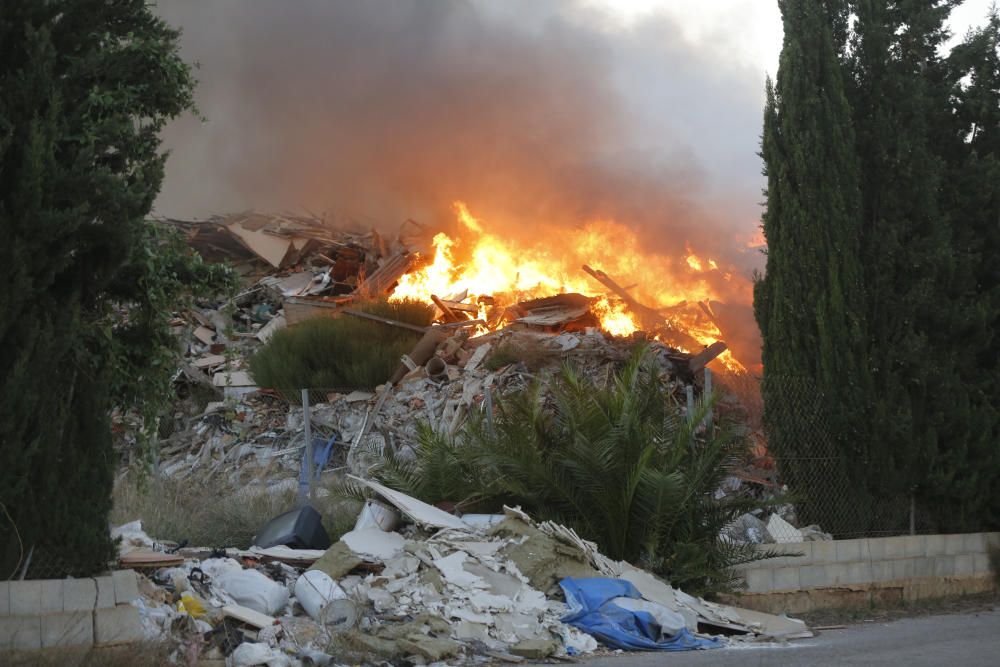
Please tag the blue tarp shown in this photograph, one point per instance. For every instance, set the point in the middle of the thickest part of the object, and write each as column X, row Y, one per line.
column 592, row 610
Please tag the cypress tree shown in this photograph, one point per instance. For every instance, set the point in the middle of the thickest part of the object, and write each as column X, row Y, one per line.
column 930, row 421
column 964, row 481
column 919, row 243
column 86, row 87
column 809, row 303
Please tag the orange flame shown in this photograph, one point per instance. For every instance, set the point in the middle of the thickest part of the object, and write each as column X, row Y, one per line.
column 478, row 263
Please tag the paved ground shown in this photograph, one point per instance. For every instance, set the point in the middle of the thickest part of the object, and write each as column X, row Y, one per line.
column 952, row 640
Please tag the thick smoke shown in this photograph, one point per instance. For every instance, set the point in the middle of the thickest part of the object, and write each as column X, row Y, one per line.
column 534, row 113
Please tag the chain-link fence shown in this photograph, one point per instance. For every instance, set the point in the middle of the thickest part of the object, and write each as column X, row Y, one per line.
column 827, row 486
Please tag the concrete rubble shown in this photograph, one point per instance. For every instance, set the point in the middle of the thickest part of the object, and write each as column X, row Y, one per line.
column 454, row 595
column 230, row 433
column 411, row 582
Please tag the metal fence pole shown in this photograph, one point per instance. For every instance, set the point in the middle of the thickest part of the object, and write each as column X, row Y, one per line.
column 308, row 463
column 913, row 515
column 708, row 398
column 689, row 390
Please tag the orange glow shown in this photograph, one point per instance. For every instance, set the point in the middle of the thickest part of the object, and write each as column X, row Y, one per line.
column 480, row 263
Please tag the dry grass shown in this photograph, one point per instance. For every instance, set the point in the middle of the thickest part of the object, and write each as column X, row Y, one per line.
column 187, row 510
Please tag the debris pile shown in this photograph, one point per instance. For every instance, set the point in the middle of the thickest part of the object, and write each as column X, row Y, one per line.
column 246, row 434
column 439, row 589
column 477, row 350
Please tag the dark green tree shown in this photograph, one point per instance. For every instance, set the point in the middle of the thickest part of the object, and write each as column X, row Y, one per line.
column 964, row 481
column 810, row 303
column 919, row 419
column 85, row 88
column 899, row 96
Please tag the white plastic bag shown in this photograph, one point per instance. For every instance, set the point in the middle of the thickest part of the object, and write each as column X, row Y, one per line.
column 252, row 589
column 249, row 654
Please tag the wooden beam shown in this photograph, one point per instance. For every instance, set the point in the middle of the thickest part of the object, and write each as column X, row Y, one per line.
column 700, row 360
column 648, row 317
column 449, row 314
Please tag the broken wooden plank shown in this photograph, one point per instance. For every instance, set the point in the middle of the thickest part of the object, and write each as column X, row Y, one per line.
column 385, row 276
column 649, row 318
column 300, row 308
column 459, row 306
column 449, row 314
column 205, row 335
column 209, row 361
column 700, row 360
column 477, row 357
column 249, row 616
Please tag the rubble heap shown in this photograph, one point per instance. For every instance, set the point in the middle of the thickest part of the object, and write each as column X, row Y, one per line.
column 438, row 589
column 248, row 437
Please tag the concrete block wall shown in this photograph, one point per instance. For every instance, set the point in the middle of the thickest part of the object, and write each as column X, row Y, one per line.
column 69, row 612
column 849, row 572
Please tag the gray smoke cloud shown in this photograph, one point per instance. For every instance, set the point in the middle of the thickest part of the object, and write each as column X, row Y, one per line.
column 532, row 112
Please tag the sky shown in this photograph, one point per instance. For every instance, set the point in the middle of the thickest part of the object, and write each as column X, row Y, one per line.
column 644, row 111
column 751, row 29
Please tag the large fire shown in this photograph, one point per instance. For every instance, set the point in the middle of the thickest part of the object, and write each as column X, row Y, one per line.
column 477, row 263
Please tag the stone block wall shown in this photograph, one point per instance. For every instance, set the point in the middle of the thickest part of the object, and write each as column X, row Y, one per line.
column 908, row 567
column 69, row 612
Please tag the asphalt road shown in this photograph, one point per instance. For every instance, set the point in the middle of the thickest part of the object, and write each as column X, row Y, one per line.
column 953, row 640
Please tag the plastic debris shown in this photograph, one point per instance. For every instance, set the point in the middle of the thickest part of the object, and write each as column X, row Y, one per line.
column 595, row 609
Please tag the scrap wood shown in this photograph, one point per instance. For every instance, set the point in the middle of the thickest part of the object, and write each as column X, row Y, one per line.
column 385, row 276
column 461, row 306
column 205, row 335
column 249, row 616
column 208, row 361
column 142, row 558
column 448, row 313
column 649, row 317
column 700, row 360
column 477, row 357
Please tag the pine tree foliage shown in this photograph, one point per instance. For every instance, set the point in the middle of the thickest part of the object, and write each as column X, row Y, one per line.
column 86, row 87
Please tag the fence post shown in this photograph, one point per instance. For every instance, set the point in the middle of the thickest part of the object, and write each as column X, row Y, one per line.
column 307, row 462
column 913, row 515
column 689, row 390
column 708, row 397
column 488, row 406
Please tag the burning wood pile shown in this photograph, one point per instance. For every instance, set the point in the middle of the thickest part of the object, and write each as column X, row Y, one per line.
column 322, row 270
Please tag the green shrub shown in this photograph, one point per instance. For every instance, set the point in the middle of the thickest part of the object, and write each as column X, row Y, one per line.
column 615, row 462
column 344, row 353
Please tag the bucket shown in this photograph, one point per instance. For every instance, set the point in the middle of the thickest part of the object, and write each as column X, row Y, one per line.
column 315, row 591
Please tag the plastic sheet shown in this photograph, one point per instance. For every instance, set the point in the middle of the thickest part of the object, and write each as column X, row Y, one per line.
column 592, row 610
